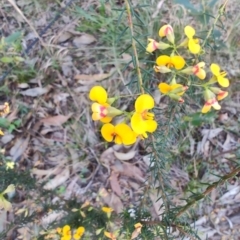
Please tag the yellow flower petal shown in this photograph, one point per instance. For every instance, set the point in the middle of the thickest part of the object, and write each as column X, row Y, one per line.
column 206, row 108
column 163, row 60
column 138, row 124
column 216, row 105
column 167, row 31
column 1, row 132
column 66, row 230
column 152, row 46
column 108, row 132
column 193, row 47
column 144, row 102
column 125, row 133
column 78, row 234
column 107, row 209
column 106, row 119
column 164, row 88
column 178, row 62
column 215, row 69
column 222, row 95
column 98, row 94
column 151, row 126
column 224, row 82
column 189, row 31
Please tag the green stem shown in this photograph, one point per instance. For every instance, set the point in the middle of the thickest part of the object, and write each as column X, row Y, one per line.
column 140, row 81
column 220, row 13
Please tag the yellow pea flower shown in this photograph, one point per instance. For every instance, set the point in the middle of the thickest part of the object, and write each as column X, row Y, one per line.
column 120, row 134
column 107, row 209
column 66, row 233
column 220, row 76
column 4, row 109
column 101, row 108
column 174, row 91
column 154, row 45
column 193, row 45
column 165, row 63
column 167, row 31
column 196, row 70
column 219, row 92
column 78, row 233
column 143, row 121
column 209, row 104
column 211, row 101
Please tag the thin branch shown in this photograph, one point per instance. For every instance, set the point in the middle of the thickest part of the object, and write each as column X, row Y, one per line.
column 220, row 13
column 140, row 81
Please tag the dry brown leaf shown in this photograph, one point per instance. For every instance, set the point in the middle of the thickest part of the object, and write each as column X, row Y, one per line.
column 129, row 170
column 125, row 156
column 19, row 148
column 56, row 120
column 64, row 37
column 57, row 180
column 85, row 39
column 35, row 92
column 115, row 184
column 89, row 79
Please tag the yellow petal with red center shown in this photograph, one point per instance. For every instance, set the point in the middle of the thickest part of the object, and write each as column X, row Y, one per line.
column 222, row 95
column 193, row 47
column 178, row 62
column 201, row 74
column 98, row 94
column 151, row 45
column 144, row 102
column 224, row 82
column 164, row 30
column 189, row 31
column 206, row 108
column 138, row 124
column 163, row 60
column 215, row 69
column 151, row 126
column 125, row 133
column 108, row 132
column 164, row 88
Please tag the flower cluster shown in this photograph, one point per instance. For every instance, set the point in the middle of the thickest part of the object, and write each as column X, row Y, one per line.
column 136, row 123
column 176, row 65
column 66, row 233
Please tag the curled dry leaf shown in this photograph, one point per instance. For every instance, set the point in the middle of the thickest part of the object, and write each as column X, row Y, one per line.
column 125, row 156
column 56, row 120
column 57, row 180
column 85, row 39
column 35, row 92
